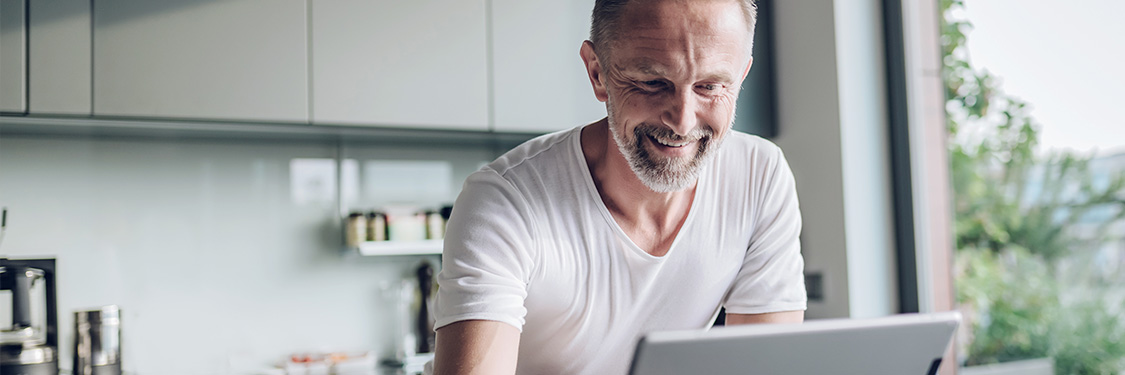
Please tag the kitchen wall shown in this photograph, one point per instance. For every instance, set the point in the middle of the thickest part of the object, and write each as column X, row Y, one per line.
column 833, row 127
column 223, row 255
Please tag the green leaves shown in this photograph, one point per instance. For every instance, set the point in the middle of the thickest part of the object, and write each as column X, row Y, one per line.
column 1012, row 304
column 1030, row 229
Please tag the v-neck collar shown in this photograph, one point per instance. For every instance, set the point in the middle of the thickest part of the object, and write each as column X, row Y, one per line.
column 592, row 190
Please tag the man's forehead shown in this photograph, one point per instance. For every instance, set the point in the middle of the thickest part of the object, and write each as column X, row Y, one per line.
column 690, row 27
column 699, row 15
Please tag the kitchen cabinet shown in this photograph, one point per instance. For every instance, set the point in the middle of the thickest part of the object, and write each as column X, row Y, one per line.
column 201, row 59
column 13, row 56
column 59, row 76
column 539, row 79
column 418, row 63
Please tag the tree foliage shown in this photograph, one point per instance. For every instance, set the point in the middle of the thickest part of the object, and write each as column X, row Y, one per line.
column 1020, row 219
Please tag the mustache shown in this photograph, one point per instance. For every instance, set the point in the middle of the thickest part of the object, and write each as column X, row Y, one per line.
column 664, row 133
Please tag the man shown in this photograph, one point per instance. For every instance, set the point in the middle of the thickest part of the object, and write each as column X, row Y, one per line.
column 564, row 251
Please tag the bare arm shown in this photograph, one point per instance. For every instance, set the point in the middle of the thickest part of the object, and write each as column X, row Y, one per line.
column 775, row 317
column 473, row 347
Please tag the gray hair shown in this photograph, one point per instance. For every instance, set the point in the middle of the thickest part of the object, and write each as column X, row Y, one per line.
column 603, row 22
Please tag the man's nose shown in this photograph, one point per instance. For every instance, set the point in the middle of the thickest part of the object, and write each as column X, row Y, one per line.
column 679, row 114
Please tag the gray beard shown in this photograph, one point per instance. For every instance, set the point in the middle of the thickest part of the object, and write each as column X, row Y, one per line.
column 664, row 175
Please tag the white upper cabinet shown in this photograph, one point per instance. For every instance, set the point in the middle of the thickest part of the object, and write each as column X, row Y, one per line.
column 59, row 61
column 13, row 56
column 480, row 65
column 539, row 80
column 201, row 59
column 400, row 63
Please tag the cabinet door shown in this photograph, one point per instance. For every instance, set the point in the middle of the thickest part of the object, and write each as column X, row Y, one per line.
column 13, row 56
column 202, row 59
column 59, row 75
column 416, row 63
column 540, row 81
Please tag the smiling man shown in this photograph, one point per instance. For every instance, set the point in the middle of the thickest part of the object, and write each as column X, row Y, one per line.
column 564, row 251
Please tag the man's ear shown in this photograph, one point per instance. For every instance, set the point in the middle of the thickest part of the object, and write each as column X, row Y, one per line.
column 593, row 70
column 747, row 70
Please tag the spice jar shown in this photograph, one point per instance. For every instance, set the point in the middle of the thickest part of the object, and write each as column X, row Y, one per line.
column 406, row 226
column 435, row 225
column 355, row 229
column 376, row 226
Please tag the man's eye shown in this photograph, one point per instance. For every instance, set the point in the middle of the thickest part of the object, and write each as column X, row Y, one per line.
column 709, row 87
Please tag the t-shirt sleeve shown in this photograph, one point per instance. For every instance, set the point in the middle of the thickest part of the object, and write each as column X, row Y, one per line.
column 485, row 259
column 772, row 275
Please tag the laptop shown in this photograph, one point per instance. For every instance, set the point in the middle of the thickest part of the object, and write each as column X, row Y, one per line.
column 908, row 344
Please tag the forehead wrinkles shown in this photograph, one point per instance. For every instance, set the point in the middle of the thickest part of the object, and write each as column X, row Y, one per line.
column 671, row 33
column 701, row 17
column 693, row 64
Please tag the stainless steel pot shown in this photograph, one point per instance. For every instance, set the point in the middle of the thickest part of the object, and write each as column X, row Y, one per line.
column 97, row 341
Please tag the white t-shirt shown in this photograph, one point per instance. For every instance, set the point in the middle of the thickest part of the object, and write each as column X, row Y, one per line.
column 531, row 244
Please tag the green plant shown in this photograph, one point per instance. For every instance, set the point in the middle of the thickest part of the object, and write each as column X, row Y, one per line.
column 1021, row 317
column 1089, row 340
column 1016, row 215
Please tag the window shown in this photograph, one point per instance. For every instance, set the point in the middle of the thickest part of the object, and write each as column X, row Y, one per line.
column 1037, row 154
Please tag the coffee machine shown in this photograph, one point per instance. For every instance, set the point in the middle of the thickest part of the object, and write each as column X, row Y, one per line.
column 29, row 346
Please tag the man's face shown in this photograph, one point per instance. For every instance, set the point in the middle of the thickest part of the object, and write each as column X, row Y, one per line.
column 671, row 80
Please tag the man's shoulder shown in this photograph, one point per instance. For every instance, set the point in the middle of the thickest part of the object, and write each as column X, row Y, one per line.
column 548, row 149
column 517, row 184
column 743, row 145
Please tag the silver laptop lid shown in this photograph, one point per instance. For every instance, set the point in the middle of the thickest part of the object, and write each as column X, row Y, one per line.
column 909, row 344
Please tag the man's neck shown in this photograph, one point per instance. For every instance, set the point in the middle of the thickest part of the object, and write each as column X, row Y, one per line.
column 637, row 208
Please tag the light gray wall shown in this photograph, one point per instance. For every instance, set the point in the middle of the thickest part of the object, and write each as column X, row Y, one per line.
column 808, row 132
column 216, row 265
column 832, row 127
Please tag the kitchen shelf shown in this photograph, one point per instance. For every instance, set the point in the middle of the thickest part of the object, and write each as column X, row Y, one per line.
column 175, row 129
column 383, row 248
